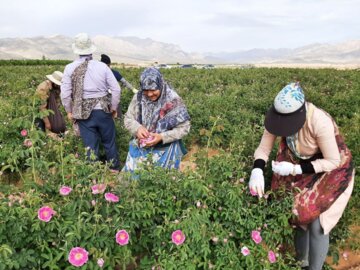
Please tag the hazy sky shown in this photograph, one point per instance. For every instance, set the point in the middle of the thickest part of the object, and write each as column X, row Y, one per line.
column 194, row 25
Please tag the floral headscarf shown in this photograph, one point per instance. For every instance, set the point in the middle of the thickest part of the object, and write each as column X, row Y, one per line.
column 165, row 113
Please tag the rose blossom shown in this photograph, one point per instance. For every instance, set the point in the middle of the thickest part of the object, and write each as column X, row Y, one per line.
column 245, row 251
column 256, row 237
column 215, row 239
column 45, row 213
column 27, row 143
column 271, row 256
column 64, row 190
column 144, row 141
column 253, row 192
column 98, row 188
column 24, row 133
column 295, row 212
column 122, row 237
column 100, row 262
column 110, row 197
column 78, row 256
column 178, row 237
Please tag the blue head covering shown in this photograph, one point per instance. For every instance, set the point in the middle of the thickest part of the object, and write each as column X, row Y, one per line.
column 151, row 79
column 167, row 111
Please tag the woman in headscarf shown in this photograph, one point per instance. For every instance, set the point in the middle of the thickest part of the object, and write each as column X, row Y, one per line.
column 158, row 119
column 314, row 162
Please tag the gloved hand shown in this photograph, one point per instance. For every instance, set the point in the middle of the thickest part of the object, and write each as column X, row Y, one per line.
column 135, row 90
column 257, row 183
column 285, row 168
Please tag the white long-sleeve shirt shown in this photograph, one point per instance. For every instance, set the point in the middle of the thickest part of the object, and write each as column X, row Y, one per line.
column 98, row 80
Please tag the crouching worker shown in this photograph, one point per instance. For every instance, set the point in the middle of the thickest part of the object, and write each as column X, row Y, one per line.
column 158, row 120
column 313, row 159
column 49, row 93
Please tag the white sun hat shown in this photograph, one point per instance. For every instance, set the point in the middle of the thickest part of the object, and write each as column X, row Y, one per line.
column 55, row 77
column 83, row 45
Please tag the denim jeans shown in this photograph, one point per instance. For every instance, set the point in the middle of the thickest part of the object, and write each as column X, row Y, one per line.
column 100, row 127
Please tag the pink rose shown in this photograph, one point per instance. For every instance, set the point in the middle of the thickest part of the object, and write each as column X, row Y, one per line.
column 253, row 192
column 45, row 213
column 78, row 256
column 178, row 237
column 245, row 251
column 98, row 188
column 27, row 143
column 271, row 256
column 110, row 197
column 64, row 190
column 295, row 212
column 256, row 237
column 215, row 239
column 100, row 262
column 24, row 133
column 122, row 237
column 143, row 142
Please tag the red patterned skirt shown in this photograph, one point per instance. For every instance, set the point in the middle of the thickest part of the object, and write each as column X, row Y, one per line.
column 316, row 192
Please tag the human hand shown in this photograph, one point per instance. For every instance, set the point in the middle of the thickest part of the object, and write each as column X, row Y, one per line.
column 53, row 136
column 47, row 125
column 257, row 182
column 285, row 168
column 156, row 138
column 114, row 113
column 70, row 116
column 135, row 90
column 142, row 133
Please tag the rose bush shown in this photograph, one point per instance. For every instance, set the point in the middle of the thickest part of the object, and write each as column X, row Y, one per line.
column 211, row 206
column 156, row 223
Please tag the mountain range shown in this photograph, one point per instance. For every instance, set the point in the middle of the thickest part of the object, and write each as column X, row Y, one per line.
column 133, row 50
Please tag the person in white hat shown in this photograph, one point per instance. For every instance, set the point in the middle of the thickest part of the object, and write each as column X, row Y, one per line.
column 313, row 162
column 85, row 96
column 49, row 93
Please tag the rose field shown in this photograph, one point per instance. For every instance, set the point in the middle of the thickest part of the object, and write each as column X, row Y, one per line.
column 59, row 211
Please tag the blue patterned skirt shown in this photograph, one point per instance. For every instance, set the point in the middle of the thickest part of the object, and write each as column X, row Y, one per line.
column 165, row 155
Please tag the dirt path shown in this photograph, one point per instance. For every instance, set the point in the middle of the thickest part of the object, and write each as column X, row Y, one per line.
column 349, row 259
column 188, row 163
